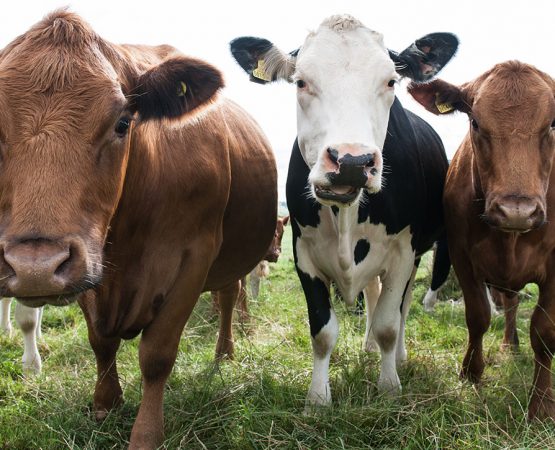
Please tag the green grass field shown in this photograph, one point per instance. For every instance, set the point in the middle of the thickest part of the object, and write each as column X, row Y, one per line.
column 257, row 400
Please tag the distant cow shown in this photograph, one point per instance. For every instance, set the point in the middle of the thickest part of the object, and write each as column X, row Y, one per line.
column 500, row 206
column 224, row 347
column 130, row 183
column 365, row 178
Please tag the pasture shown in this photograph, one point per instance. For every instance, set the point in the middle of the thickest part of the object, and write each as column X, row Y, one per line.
column 257, row 400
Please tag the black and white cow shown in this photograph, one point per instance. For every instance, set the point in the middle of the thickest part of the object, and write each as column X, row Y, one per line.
column 365, row 179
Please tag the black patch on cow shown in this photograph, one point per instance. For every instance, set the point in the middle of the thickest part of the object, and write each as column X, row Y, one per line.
column 317, row 301
column 335, row 210
column 361, row 250
column 302, row 206
column 247, row 51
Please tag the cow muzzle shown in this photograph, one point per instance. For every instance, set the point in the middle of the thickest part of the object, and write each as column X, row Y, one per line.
column 515, row 214
column 349, row 169
column 39, row 271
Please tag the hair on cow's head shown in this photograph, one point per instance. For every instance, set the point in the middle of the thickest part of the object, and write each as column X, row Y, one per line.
column 175, row 87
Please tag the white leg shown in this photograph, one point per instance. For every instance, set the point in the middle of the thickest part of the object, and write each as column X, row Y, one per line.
column 323, row 344
column 387, row 320
column 430, row 300
column 254, row 281
column 27, row 319
column 371, row 295
column 38, row 331
column 401, row 355
column 5, row 322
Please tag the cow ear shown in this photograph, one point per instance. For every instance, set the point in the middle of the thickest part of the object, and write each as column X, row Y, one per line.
column 426, row 56
column 440, row 97
column 262, row 60
column 285, row 221
column 174, row 88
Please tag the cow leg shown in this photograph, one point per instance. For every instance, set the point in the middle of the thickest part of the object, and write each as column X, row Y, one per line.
column 387, row 319
column 323, row 330
column 542, row 337
column 38, row 330
column 242, row 304
column 107, row 391
column 478, row 317
column 371, row 295
column 401, row 354
column 440, row 272
column 159, row 345
column 227, row 298
column 5, row 322
column 27, row 319
column 254, row 281
column 509, row 300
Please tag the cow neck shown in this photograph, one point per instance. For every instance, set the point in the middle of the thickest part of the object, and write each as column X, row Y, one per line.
column 346, row 218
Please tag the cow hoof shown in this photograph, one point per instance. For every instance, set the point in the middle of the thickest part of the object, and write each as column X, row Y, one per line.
column 33, row 367
column 541, row 408
column 317, row 398
column 401, row 356
column 389, row 388
column 509, row 347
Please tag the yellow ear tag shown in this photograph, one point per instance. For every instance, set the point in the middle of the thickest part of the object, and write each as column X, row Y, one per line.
column 260, row 73
column 181, row 89
column 444, row 107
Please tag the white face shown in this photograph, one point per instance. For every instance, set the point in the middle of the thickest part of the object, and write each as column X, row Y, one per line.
column 344, row 93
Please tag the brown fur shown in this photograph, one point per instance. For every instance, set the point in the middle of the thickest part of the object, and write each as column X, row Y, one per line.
column 150, row 218
column 506, row 159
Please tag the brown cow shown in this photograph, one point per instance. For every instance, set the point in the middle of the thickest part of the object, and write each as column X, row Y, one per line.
column 500, row 205
column 107, row 189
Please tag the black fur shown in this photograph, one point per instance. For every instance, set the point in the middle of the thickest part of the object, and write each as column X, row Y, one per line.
column 435, row 50
column 156, row 92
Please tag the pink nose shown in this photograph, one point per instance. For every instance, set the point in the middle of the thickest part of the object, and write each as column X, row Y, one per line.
column 516, row 213
column 39, row 267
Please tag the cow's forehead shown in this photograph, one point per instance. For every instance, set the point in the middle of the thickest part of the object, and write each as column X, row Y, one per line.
column 328, row 51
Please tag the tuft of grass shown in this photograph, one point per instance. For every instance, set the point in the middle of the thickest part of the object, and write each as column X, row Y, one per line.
column 257, row 400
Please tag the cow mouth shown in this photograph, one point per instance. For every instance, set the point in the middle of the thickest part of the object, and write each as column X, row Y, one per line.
column 54, row 300
column 337, row 194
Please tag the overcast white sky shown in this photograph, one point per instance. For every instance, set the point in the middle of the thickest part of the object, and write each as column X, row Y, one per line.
column 489, row 32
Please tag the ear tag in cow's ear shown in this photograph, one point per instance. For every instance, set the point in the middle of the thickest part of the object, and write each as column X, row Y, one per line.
column 443, row 107
column 260, row 73
column 181, row 89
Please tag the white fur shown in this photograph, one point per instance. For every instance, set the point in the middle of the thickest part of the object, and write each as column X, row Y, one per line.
column 346, row 99
column 430, row 300
column 29, row 321
column 391, row 258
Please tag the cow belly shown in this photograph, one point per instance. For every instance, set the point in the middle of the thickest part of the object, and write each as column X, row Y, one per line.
column 373, row 252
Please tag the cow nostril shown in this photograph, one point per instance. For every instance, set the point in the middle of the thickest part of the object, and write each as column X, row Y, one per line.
column 333, row 154
column 65, row 264
column 370, row 162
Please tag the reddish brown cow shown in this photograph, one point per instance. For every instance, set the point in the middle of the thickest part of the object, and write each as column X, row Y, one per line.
column 124, row 175
column 500, row 205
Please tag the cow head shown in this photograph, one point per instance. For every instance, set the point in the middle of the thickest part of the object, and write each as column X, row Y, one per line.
column 275, row 247
column 511, row 111
column 69, row 102
column 345, row 79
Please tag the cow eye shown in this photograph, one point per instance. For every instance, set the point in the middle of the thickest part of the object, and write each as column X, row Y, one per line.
column 553, row 124
column 474, row 124
column 301, row 84
column 122, row 127
column 391, row 83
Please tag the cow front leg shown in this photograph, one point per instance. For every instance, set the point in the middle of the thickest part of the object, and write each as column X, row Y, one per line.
column 226, row 298
column 28, row 320
column 5, row 322
column 107, row 391
column 387, row 320
column 542, row 337
column 323, row 331
column 478, row 317
column 371, row 295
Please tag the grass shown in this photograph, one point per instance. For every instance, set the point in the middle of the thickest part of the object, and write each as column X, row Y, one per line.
column 256, row 401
